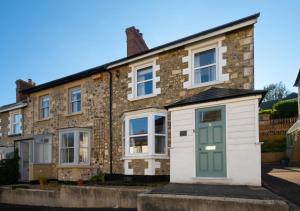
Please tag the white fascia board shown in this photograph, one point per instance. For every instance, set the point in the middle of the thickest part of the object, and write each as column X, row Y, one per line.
column 14, row 108
column 216, row 102
column 187, row 42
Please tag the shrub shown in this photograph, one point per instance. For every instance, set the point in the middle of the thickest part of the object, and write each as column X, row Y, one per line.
column 265, row 111
column 274, row 146
column 285, row 109
column 99, row 178
column 9, row 170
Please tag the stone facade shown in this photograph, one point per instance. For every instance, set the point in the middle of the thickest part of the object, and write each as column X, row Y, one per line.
column 95, row 107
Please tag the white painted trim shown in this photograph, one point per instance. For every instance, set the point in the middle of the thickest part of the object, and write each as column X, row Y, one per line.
column 209, row 35
column 215, row 103
column 220, row 62
column 151, row 134
column 132, row 96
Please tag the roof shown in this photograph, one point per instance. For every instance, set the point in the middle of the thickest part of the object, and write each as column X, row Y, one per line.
column 297, row 79
column 269, row 104
column 13, row 106
column 163, row 47
column 215, row 94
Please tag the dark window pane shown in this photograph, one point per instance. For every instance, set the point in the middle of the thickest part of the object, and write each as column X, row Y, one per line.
column 160, row 124
column 144, row 74
column 138, row 144
column 160, row 144
column 70, row 140
column 210, row 116
column 138, row 126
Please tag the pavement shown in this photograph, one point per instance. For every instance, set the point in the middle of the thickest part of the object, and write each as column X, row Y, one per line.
column 229, row 191
column 282, row 180
column 6, row 207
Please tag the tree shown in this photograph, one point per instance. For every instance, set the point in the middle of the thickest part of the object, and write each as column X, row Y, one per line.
column 276, row 91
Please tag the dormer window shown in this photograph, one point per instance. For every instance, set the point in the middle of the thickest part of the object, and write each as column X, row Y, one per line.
column 205, row 66
column 144, row 82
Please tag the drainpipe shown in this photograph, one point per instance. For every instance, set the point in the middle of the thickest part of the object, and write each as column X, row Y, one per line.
column 110, row 125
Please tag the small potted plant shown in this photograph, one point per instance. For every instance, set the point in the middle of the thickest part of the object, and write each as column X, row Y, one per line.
column 43, row 181
column 80, row 182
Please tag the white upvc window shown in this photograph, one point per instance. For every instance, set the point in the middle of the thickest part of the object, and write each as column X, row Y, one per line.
column 42, row 149
column 44, row 107
column 75, row 100
column 74, row 146
column 205, row 66
column 145, row 134
column 15, row 123
column 144, row 82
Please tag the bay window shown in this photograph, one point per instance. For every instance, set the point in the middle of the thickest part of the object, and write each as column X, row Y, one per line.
column 74, row 146
column 145, row 134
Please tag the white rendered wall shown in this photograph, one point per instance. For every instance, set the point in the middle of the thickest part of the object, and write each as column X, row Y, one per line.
column 243, row 158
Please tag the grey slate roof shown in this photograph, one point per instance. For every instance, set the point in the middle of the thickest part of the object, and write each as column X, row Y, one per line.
column 12, row 106
column 297, row 79
column 215, row 94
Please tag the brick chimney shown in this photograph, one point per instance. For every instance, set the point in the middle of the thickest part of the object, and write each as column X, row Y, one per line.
column 135, row 42
column 20, row 85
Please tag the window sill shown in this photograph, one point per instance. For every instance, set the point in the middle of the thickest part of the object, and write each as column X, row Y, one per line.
column 14, row 135
column 73, row 114
column 143, row 97
column 135, row 157
column 43, row 120
column 61, row 166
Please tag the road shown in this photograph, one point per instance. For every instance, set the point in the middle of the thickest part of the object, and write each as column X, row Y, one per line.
column 4, row 207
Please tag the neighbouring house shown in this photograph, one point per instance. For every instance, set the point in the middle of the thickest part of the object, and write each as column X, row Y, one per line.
column 187, row 109
column 12, row 124
column 293, row 134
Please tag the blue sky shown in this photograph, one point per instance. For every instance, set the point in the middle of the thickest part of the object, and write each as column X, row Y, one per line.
column 48, row 39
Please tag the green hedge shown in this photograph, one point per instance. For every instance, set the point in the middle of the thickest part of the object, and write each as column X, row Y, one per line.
column 282, row 109
column 274, row 146
column 9, row 170
column 285, row 108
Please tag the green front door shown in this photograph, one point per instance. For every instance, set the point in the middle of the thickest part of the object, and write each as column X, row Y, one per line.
column 210, row 142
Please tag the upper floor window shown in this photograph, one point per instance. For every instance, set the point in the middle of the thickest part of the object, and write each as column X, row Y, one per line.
column 15, row 123
column 74, row 146
column 144, row 82
column 145, row 134
column 75, row 100
column 205, row 66
column 44, row 107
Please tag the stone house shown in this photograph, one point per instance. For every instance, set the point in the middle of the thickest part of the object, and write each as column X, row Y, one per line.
column 191, row 100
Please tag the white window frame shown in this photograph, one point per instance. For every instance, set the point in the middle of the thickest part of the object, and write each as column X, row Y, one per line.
column 151, row 134
column 43, row 108
column 12, row 123
column 200, row 50
column 136, row 81
column 71, row 90
column 33, row 148
column 76, row 132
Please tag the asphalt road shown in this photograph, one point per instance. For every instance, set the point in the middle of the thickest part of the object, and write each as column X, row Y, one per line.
column 5, row 207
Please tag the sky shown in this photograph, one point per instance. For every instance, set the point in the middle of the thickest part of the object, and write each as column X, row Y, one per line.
column 48, row 39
